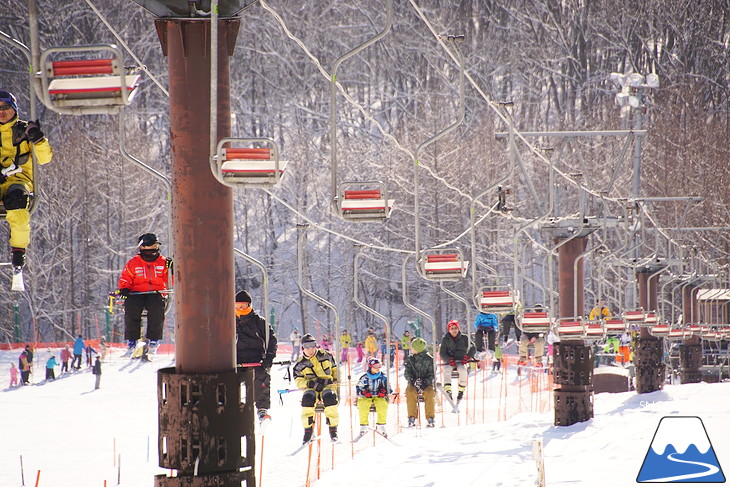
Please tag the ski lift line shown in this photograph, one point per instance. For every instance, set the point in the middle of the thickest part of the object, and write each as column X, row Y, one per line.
column 127, row 48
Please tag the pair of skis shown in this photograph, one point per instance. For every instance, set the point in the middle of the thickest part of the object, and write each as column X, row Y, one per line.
column 362, row 434
column 449, row 399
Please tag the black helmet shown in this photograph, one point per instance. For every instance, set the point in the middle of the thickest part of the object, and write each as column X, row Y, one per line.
column 147, row 240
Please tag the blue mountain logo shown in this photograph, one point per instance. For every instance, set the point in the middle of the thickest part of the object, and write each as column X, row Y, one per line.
column 681, row 452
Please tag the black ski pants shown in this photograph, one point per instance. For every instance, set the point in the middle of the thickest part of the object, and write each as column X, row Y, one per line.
column 134, row 305
column 262, row 387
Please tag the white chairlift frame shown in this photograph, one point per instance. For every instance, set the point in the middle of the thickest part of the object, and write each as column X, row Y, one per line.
column 497, row 299
column 86, row 93
column 249, row 173
column 453, row 269
column 365, row 209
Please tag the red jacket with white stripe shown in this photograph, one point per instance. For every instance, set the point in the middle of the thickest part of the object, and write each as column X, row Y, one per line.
column 140, row 276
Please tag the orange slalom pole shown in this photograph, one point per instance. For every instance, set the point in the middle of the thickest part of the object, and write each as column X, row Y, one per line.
column 261, row 465
column 37, row 478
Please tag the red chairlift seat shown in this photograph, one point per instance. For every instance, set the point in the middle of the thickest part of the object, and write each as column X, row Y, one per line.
column 249, row 166
column 660, row 330
column 677, row 334
column 365, row 204
column 570, row 329
column 615, row 326
column 593, row 330
column 710, row 335
column 498, row 301
column 445, row 266
column 534, row 322
column 635, row 316
column 650, row 319
column 87, row 86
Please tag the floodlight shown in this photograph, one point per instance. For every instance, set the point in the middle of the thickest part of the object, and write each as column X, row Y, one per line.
column 652, row 80
column 634, row 101
column 617, row 78
column 622, row 99
column 636, row 80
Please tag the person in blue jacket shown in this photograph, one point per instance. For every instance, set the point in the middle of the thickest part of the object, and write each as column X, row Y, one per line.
column 486, row 326
column 372, row 389
column 50, row 368
column 79, row 347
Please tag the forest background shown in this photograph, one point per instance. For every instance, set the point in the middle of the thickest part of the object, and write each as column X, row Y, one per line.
column 530, row 65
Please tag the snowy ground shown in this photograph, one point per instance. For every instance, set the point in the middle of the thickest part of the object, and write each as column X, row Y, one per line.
column 79, row 437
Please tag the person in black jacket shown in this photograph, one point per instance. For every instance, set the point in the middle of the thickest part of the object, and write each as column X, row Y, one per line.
column 96, row 370
column 255, row 347
column 454, row 351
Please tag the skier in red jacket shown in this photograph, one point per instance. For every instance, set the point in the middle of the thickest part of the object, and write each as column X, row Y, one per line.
column 143, row 277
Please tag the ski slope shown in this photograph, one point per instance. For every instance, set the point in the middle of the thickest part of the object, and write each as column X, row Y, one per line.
column 77, row 437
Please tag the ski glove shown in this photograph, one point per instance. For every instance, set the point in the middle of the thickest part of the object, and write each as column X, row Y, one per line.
column 33, row 131
column 366, row 393
column 465, row 359
column 320, row 384
column 381, row 392
column 418, row 384
column 452, row 362
column 124, row 292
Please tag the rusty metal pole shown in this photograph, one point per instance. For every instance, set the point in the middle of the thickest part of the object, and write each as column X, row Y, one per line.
column 202, row 207
column 203, row 410
column 648, row 350
column 690, row 351
column 573, row 361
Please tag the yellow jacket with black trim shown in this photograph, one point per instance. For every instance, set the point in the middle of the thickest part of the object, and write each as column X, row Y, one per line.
column 15, row 148
column 321, row 365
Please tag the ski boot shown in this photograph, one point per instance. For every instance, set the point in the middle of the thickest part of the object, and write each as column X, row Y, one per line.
column 154, row 345
column 263, row 414
column 431, row 423
column 363, row 429
column 411, row 421
column 333, row 434
column 380, row 428
column 448, row 392
column 18, row 259
column 308, row 432
column 131, row 345
column 460, row 396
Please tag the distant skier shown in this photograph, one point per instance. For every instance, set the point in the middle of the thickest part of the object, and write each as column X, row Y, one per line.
column 345, row 342
column 536, row 340
column 13, row 375
column 143, row 278
column 25, row 365
column 65, row 357
column 51, row 368
column 454, row 351
column 317, row 374
column 296, row 344
column 420, row 376
column 79, row 347
column 96, row 370
column 372, row 390
column 255, row 344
